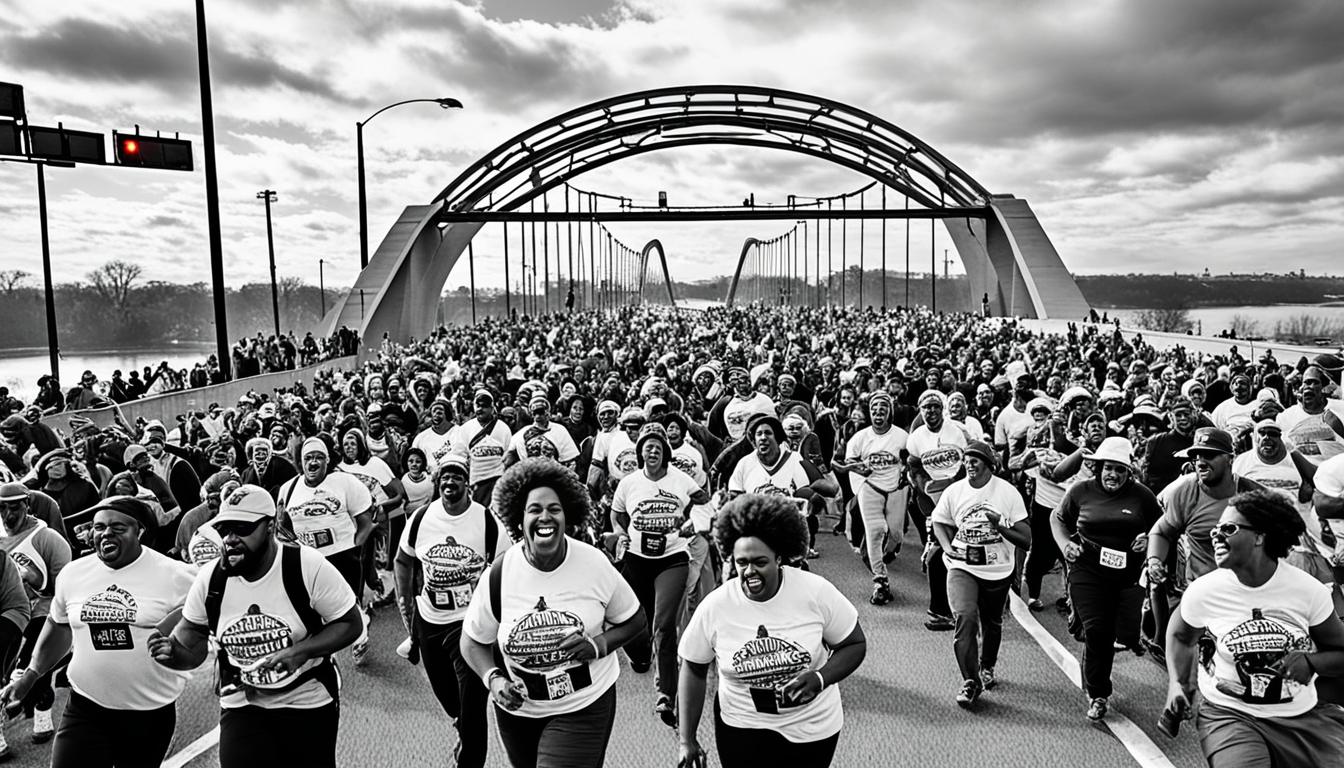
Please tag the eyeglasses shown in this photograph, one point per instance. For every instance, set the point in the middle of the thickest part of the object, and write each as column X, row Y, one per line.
column 1228, row 530
column 238, row 528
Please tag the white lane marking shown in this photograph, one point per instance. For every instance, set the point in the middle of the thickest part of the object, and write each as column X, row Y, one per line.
column 1130, row 736
column 194, row 749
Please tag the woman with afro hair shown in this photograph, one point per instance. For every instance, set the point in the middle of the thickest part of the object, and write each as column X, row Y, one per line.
column 556, row 610
column 783, row 638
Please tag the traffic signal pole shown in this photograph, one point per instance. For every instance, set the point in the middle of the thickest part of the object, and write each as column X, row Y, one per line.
column 269, row 196
column 52, row 346
column 212, row 197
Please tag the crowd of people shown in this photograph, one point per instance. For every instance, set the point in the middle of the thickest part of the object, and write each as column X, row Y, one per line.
column 534, row 496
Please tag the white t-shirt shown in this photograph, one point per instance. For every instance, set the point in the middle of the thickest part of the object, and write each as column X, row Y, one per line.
column 940, row 452
column 451, row 550
column 764, row 645
column 1010, row 422
column 257, row 618
column 484, row 450
column 540, row 609
column 553, row 442
column 657, row 510
column 963, row 507
column 1254, row 628
column 738, row 412
column 1310, row 434
column 111, row 614
column 882, row 454
column 374, row 474
column 1234, row 417
column 688, row 458
column 618, row 451
column 324, row 517
column 436, row 446
column 418, row 493
column 971, row 426
column 786, row 477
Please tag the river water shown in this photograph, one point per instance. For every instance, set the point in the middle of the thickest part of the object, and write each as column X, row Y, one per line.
column 21, row 368
column 1212, row 320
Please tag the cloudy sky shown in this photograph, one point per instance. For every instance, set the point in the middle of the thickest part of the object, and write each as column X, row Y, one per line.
column 1148, row 135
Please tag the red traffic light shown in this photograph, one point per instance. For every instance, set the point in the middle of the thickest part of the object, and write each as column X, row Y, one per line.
column 154, row 152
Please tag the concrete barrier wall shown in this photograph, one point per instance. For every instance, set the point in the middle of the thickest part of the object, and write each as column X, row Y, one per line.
column 1211, row 345
column 168, row 406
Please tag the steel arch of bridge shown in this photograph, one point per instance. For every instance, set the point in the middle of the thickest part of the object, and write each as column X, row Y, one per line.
column 650, row 247
column 1007, row 254
column 555, row 151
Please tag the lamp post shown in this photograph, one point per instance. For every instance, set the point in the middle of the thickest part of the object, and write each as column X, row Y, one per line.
column 444, row 103
column 322, row 286
column 269, row 196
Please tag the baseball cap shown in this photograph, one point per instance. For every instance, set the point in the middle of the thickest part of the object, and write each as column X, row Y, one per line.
column 13, row 492
column 981, row 449
column 1209, row 440
column 245, row 504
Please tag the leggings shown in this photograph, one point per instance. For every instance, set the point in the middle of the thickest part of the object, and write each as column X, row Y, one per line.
column 459, row 691
column 751, row 747
column 255, row 737
column 660, row 585
column 883, row 514
column 94, row 736
column 572, row 740
column 1044, row 552
column 937, row 569
column 1108, row 602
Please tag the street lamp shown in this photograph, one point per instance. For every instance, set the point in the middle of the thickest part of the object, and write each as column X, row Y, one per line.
column 269, row 196
column 322, row 286
column 443, row 103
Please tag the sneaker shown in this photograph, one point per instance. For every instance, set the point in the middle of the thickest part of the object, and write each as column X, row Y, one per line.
column 359, row 653
column 1035, row 605
column 987, row 679
column 665, row 711
column 404, row 650
column 640, row 667
column 1062, row 604
column 939, row 624
column 43, row 729
column 838, row 530
column 970, row 692
column 812, row 554
column 881, row 593
column 1096, row 711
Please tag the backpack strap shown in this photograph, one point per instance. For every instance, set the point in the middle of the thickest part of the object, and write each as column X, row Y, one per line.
column 416, row 517
column 214, row 596
column 496, row 582
column 291, row 573
column 491, row 539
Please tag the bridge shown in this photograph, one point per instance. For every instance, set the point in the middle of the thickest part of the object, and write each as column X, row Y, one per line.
column 1007, row 255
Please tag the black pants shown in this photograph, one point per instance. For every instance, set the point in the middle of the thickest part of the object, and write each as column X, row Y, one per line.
column 351, row 565
column 937, row 571
column 93, row 736
column 575, row 740
column 1044, row 552
column 753, row 747
column 40, row 696
column 1108, row 602
column 459, row 691
column 660, row 585
column 255, row 737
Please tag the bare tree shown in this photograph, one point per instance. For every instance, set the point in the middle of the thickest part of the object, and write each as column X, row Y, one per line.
column 12, row 279
column 114, row 282
column 1165, row 319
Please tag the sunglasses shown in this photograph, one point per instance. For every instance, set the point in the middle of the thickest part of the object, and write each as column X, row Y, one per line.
column 1228, row 530
column 238, row 528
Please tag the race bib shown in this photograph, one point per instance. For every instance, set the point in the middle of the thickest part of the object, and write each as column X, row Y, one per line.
column 653, row 544
column 318, row 539
column 111, row 637
column 450, row 599
column 975, row 554
column 559, row 684
column 1113, row 558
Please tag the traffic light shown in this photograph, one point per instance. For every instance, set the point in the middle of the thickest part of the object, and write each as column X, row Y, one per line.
column 152, row 152
column 61, row 144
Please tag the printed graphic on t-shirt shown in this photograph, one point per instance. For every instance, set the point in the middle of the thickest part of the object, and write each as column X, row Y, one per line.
column 110, row 614
column 627, row 461
column 1256, row 647
column 765, row 664
column 251, row 637
column 369, row 481
column 974, row 535
column 22, row 560
column 684, row 463
column 534, row 641
column 944, row 458
column 203, row 548
column 320, row 505
column 451, row 572
column 539, row 444
column 655, row 519
column 1311, row 436
column 880, row 460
